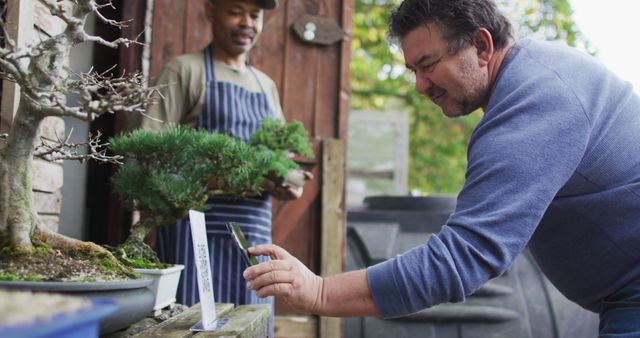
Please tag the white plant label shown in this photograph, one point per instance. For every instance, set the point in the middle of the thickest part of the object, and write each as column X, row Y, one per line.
column 203, row 270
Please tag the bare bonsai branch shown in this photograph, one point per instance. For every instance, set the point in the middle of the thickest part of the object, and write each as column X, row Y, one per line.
column 90, row 6
column 58, row 9
column 55, row 150
column 119, row 24
column 102, row 94
column 113, row 44
column 10, row 66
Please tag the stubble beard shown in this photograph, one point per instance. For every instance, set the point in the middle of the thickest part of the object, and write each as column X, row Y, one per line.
column 474, row 90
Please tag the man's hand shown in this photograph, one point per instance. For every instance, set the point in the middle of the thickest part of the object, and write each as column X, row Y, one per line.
column 281, row 192
column 291, row 189
column 285, row 276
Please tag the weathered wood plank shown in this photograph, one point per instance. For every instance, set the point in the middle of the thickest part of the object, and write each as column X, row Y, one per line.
column 168, row 32
column 197, row 29
column 288, row 214
column 268, row 53
column 245, row 321
column 299, row 92
column 131, row 56
column 328, row 79
column 327, row 87
column 178, row 326
column 46, row 176
column 333, row 222
column 296, row 326
column 348, row 8
column 47, row 203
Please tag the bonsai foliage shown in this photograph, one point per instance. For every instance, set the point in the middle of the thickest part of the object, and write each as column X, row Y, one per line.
column 275, row 135
column 170, row 172
column 41, row 72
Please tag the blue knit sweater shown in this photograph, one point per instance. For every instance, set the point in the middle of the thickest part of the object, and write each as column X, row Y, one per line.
column 554, row 163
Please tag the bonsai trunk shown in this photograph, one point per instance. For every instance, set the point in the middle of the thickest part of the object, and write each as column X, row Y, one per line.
column 134, row 252
column 18, row 217
column 41, row 71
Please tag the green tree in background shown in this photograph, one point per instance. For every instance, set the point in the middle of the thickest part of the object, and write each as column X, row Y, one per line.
column 379, row 80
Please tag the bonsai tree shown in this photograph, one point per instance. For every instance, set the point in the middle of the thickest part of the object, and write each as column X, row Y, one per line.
column 41, row 72
column 170, row 172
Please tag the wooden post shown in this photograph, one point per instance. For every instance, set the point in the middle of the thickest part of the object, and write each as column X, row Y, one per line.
column 20, row 21
column 333, row 222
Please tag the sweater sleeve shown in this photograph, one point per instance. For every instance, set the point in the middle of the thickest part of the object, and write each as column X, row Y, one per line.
column 530, row 141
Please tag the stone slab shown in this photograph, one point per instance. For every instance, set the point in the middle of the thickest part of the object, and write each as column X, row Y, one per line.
column 47, row 177
column 47, row 203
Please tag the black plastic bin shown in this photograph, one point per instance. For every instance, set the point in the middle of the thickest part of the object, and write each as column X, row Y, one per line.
column 521, row 303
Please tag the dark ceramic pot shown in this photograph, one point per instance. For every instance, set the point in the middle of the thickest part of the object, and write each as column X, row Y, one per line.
column 133, row 299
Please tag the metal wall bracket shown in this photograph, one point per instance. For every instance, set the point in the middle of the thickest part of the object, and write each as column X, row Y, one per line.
column 318, row 30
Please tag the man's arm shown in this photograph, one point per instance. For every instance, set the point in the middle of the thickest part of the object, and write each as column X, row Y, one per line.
column 348, row 294
column 342, row 295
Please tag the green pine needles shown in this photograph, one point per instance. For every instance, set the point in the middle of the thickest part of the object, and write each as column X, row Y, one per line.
column 292, row 137
column 168, row 173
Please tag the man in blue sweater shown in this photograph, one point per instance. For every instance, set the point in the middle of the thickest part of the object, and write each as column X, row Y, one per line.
column 554, row 163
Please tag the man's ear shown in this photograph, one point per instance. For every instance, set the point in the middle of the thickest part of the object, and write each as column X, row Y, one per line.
column 483, row 42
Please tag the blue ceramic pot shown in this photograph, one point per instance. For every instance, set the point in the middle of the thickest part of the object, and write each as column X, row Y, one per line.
column 133, row 299
column 84, row 323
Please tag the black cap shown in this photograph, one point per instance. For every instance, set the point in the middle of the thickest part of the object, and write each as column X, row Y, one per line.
column 265, row 4
column 268, row 4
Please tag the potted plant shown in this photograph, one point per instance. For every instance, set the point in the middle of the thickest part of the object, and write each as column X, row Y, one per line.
column 29, row 251
column 171, row 172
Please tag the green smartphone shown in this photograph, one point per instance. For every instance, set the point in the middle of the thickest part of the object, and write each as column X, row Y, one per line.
column 242, row 242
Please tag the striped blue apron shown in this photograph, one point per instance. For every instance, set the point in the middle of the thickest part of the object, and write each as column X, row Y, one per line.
column 234, row 110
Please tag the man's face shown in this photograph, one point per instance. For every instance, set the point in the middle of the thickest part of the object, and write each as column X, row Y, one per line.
column 236, row 24
column 455, row 82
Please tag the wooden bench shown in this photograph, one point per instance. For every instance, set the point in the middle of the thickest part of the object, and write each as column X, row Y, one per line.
column 245, row 321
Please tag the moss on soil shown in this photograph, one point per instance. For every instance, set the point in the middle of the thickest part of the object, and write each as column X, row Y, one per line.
column 46, row 264
column 142, row 264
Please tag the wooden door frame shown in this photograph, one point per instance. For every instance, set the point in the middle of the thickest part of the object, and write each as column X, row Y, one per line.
column 20, row 22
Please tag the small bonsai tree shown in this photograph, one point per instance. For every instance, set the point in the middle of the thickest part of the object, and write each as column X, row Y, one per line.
column 45, row 81
column 170, row 172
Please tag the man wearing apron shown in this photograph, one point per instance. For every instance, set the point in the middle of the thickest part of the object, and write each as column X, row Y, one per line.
column 215, row 89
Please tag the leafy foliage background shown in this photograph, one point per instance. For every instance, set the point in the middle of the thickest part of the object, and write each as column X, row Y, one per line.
column 379, row 80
